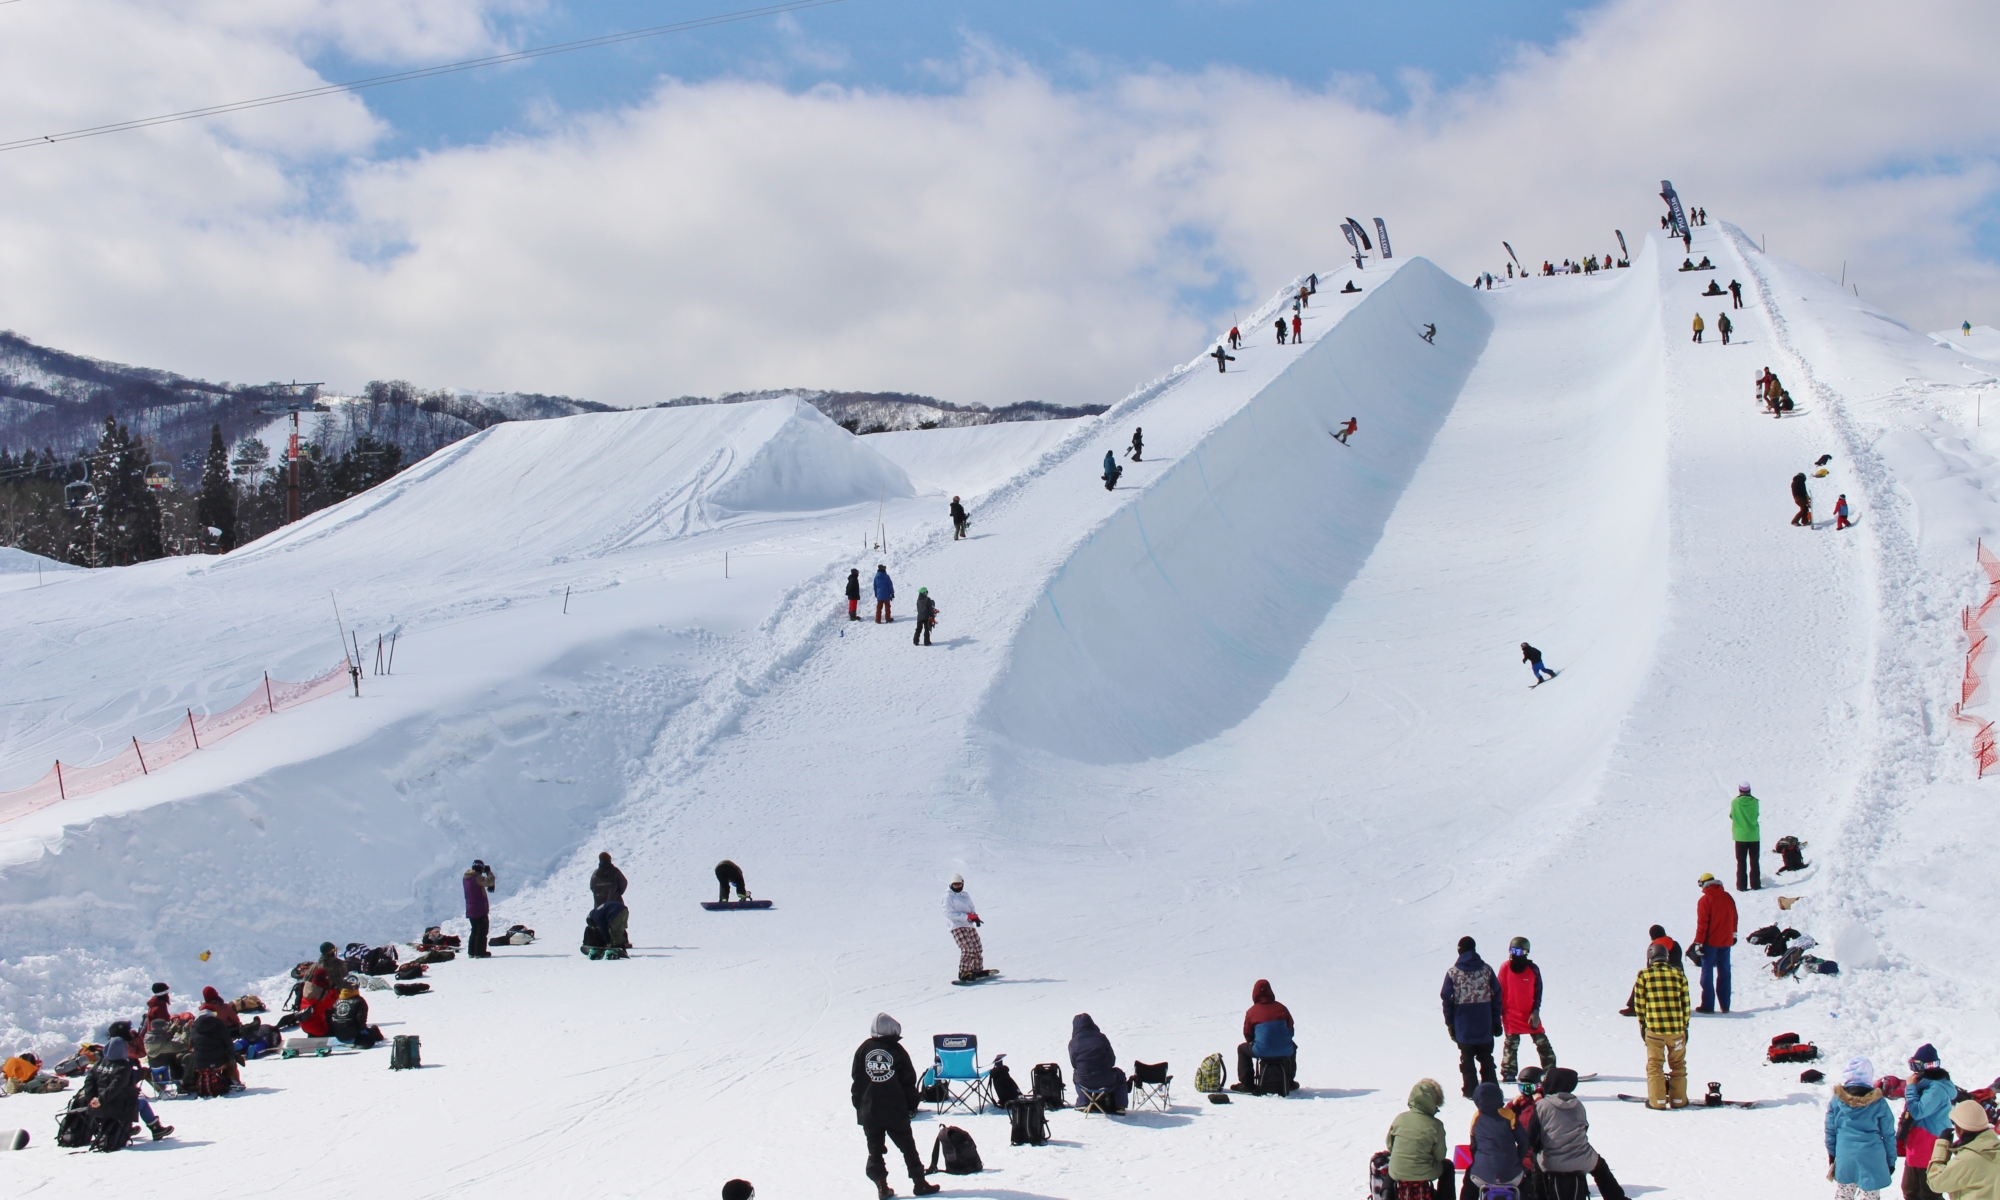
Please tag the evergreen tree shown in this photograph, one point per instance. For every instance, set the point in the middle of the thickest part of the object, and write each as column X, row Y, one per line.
column 125, row 528
column 368, row 463
column 216, row 507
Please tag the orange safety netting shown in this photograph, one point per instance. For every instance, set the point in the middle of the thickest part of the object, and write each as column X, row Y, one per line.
column 67, row 780
column 1972, row 686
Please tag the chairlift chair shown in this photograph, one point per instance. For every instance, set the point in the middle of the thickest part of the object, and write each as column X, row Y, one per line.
column 956, row 1064
column 159, row 475
column 79, row 495
column 1149, row 1086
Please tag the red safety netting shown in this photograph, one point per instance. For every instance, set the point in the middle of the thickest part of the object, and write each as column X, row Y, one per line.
column 1972, row 687
column 66, row 780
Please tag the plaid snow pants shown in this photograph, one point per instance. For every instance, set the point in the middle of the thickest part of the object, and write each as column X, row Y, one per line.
column 969, row 958
column 1510, row 1054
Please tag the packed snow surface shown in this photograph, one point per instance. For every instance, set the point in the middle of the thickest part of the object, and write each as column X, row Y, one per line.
column 1258, row 712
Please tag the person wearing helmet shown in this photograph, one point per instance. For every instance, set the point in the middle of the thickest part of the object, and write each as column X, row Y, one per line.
column 958, row 519
column 964, row 917
column 1743, row 825
column 1521, row 1010
column 1714, row 934
column 927, row 611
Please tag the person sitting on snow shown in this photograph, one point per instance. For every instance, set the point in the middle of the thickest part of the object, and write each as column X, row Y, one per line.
column 23, row 1073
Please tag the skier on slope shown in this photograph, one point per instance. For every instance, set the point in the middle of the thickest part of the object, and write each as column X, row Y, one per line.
column 1521, row 1010
column 884, row 1091
column 1221, row 357
column 927, row 611
column 964, row 917
column 1138, row 443
column 1347, row 431
column 1472, row 1016
column 885, row 595
column 1803, row 499
column 1745, row 829
column 1699, row 325
column 1533, row 658
column 853, row 593
column 1111, row 470
column 1281, row 331
column 958, row 519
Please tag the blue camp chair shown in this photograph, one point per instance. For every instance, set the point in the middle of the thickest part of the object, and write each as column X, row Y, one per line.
column 956, row 1064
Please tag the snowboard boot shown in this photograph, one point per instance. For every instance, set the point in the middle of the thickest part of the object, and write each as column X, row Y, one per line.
column 882, row 1190
column 160, row 1131
column 924, row 1187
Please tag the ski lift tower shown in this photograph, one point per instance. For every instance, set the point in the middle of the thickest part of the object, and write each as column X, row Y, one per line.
column 300, row 402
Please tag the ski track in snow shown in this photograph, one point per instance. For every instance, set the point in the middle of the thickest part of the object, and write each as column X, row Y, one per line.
column 1342, row 770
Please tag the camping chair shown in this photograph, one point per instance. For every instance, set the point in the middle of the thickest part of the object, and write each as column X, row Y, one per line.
column 1149, row 1086
column 1096, row 1100
column 956, row 1062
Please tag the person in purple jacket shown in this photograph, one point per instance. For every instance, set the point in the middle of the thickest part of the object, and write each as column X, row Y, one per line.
column 478, row 885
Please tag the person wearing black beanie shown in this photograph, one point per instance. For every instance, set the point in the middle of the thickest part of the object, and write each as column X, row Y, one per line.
column 1472, row 1014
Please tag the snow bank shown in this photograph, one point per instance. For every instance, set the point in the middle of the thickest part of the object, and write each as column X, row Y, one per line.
column 971, row 459
column 1176, row 619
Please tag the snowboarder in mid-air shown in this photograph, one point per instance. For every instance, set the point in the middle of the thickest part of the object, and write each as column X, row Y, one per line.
column 1430, row 334
column 1533, row 658
column 927, row 611
column 1111, row 470
column 885, row 1096
column 964, row 918
column 1138, row 443
column 1222, row 357
column 958, row 519
column 728, row 875
column 1347, row 431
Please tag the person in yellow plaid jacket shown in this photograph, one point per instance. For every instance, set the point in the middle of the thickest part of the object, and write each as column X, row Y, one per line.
column 1660, row 1001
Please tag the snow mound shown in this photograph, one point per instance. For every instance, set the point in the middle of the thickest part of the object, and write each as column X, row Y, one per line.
column 1982, row 343
column 1178, row 616
column 20, row 562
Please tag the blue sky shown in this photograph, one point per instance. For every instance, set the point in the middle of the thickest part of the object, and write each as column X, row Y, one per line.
column 900, row 45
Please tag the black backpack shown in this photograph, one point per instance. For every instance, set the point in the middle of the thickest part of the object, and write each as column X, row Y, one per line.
column 404, row 1053
column 1030, row 1122
column 1047, row 1082
column 379, row 961
column 961, row 1157
column 1005, row 1090
column 73, row 1127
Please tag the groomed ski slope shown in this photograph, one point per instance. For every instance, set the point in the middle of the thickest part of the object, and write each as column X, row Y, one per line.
column 1258, row 713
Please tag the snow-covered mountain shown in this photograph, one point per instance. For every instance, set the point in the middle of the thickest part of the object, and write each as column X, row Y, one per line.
column 1256, row 712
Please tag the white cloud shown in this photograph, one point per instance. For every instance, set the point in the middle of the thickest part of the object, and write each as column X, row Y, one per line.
column 1010, row 240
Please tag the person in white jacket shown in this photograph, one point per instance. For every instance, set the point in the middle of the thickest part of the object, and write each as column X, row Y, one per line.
column 964, row 915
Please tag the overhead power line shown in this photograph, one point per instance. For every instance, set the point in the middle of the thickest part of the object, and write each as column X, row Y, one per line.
column 471, row 64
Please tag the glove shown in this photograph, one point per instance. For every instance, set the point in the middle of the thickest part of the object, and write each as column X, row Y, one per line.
column 974, row 918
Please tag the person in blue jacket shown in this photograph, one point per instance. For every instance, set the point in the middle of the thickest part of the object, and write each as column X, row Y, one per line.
column 1927, row 1100
column 1860, row 1132
column 1091, row 1063
column 885, row 591
column 1473, row 1014
column 1111, row 470
column 1499, row 1144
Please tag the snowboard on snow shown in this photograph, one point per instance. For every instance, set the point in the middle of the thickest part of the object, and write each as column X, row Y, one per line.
column 1540, row 682
column 982, row 977
column 733, row 905
column 1691, row 1104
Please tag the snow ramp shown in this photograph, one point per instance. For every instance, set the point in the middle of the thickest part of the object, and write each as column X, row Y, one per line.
column 1175, row 619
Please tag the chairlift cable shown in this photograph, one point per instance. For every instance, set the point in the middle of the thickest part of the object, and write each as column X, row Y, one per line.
column 630, row 35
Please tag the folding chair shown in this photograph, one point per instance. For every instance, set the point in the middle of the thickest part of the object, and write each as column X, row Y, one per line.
column 956, row 1062
column 1095, row 1100
column 1149, row 1086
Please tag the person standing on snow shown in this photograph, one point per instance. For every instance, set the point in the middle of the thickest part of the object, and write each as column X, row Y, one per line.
column 1714, row 934
column 1235, row 338
column 1723, row 326
column 1698, row 327
column 1223, row 358
column 964, row 918
column 1304, row 293
column 1472, row 1016
column 885, row 595
column 1660, row 1000
column 1743, row 826
column 1533, row 658
column 1138, row 444
column 728, row 875
column 958, row 519
column 853, row 593
column 1521, row 1010
column 1347, row 431
column 1967, row 1165
column 1297, row 325
column 1803, row 499
column 1840, row 520
column 1111, row 470
column 1735, row 294
column 1312, row 284
column 927, row 611
column 1927, row 1100
column 884, row 1091
column 478, row 883
column 1281, row 331
column 1860, row 1133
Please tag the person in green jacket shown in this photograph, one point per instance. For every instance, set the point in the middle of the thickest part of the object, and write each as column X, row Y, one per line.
column 1419, row 1152
column 1743, row 824
column 1966, row 1167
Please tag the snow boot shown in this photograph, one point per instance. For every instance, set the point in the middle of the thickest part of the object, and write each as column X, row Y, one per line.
column 883, row 1191
column 160, row 1131
column 924, row 1187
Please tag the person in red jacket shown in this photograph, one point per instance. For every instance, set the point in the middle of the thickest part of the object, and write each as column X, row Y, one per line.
column 1714, row 934
column 212, row 1001
column 1521, row 1010
column 314, row 1017
column 1267, row 1033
